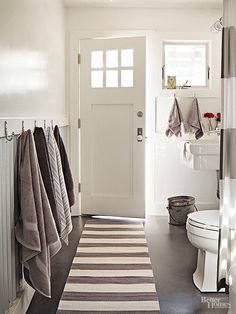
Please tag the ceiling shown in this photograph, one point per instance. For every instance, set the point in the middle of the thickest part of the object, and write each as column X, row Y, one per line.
column 215, row 4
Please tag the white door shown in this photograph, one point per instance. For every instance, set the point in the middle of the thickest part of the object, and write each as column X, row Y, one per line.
column 112, row 112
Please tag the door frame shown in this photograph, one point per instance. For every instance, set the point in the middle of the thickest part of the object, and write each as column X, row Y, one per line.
column 73, row 100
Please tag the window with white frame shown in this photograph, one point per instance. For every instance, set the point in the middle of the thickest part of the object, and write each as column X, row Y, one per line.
column 187, row 63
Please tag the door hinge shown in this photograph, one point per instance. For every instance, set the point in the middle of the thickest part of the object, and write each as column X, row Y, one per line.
column 208, row 73
column 79, row 58
column 79, row 187
column 79, row 123
column 163, row 72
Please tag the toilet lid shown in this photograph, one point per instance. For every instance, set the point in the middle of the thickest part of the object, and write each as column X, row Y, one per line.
column 209, row 219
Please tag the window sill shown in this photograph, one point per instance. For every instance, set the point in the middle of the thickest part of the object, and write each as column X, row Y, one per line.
column 189, row 92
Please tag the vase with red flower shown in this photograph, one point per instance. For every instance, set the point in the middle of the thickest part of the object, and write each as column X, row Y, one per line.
column 218, row 121
column 209, row 116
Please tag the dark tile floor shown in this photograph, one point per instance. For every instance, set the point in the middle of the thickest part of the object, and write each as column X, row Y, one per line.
column 173, row 260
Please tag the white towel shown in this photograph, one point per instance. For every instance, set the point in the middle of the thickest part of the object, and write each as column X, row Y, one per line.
column 175, row 121
column 194, row 124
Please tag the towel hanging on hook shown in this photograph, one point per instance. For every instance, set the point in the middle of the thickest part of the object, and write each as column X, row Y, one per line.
column 175, row 121
column 194, row 123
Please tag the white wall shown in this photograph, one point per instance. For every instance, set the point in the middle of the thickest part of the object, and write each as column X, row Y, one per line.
column 32, row 73
column 166, row 175
column 162, row 20
column 32, row 59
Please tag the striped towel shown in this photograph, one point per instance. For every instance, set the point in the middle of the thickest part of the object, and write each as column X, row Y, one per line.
column 62, row 201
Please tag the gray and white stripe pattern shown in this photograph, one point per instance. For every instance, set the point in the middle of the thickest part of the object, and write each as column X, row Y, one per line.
column 62, row 202
column 111, row 271
column 65, row 232
column 227, row 236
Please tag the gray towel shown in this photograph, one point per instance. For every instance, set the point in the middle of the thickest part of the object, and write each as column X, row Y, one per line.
column 194, row 125
column 175, row 121
column 35, row 229
column 65, row 166
column 44, row 164
column 62, row 200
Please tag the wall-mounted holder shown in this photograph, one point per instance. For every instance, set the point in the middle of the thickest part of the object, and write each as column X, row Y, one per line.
column 8, row 137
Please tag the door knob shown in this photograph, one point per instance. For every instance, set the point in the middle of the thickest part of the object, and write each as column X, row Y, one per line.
column 139, row 134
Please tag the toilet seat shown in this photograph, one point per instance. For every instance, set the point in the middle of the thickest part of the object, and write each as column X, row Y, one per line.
column 204, row 223
column 205, row 218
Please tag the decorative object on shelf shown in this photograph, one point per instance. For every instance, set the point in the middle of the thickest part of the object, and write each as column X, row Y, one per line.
column 184, row 86
column 209, row 115
column 218, row 120
column 171, row 82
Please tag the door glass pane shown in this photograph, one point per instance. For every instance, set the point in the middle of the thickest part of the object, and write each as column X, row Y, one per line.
column 127, row 57
column 111, row 78
column 112, row 58
column 96, row 79
column 96, row 59
column 127, row 78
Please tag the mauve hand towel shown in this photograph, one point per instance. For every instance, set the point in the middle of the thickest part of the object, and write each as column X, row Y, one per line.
column 194, row 124
column 175, row 121
column 35, row 229
column 65, row 166
column 44, row 164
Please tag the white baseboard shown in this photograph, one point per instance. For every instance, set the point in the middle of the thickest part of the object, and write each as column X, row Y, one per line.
column 22, row 302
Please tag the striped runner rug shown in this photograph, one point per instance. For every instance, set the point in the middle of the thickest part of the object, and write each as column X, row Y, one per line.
column 111, row 271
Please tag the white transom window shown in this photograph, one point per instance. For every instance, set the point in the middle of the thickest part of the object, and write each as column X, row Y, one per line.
column 185, row 64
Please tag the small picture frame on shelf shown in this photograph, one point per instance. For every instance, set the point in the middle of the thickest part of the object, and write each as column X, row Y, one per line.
column 171, row 82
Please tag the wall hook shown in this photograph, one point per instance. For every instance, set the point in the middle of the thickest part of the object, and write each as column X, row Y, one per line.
column 23, row 126
column 44, row 124
column 8, row 137
column 52, row 125
column 35, row 123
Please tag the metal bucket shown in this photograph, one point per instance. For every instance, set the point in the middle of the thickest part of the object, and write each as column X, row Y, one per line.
column 179, row 207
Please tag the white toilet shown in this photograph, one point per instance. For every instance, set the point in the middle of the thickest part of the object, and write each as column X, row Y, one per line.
column 203, row 233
